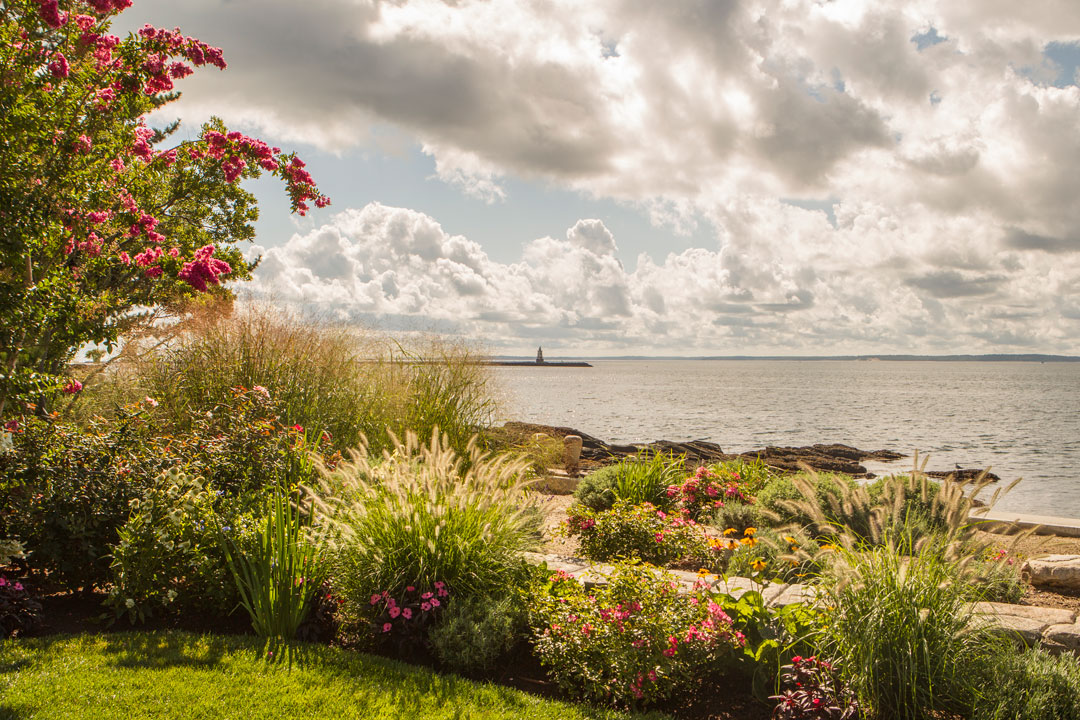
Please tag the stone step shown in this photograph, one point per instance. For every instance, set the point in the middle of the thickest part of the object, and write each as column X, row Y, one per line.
column 1041, row 524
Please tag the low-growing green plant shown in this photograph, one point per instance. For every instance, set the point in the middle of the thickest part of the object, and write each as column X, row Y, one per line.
column 995, row 577
column 1031, row 685
column 279, row 571
column 788, row 555
column 640, row 531
column 782, row 494
column 475, row 634
column 643, row 478
column 632, row 640
column 405, row 617
column 813, row 691
column 901, row 625
column 423, row 514
column 737, row 515
column 596, row 490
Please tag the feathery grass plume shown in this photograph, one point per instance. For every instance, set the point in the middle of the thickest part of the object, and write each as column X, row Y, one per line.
column 901, row 624
column 421, row 513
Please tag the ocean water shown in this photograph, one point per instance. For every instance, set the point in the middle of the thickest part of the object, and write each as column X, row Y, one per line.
column 1021, row 419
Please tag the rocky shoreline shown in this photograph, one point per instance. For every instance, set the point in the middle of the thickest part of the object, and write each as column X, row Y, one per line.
column 819, row 457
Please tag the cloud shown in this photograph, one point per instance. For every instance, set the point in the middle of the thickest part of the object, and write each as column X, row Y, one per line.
column 385, row 264
column 948, row 168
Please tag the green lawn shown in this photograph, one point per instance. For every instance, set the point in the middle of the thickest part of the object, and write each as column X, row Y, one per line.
column 180, row 675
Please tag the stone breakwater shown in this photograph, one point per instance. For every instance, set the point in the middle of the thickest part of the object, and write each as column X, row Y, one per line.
column 820, row 457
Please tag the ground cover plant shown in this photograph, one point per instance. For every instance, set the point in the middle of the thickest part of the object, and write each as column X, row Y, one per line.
column 643, row 478
column 151, row 675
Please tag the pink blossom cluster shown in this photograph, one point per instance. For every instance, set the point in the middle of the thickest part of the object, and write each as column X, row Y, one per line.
column 302, row 186
column 59, row 67
column 16, row 586
column 108, row 6
column 50, row 12
column 412, row 604
column 204, row 269
column 73, row 386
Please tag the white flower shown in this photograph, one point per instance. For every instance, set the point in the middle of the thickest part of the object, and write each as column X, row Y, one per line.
column 151, row 401
column 129, row 603
column 171, row 595
column 6, row 445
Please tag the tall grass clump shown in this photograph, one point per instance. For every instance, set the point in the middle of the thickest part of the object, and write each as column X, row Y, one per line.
column 420, row 514
column 901, row 625
column 639, row 479
column 353, row 384
column 278, row 575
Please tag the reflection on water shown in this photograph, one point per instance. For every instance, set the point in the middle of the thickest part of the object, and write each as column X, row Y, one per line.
column 1020, row 418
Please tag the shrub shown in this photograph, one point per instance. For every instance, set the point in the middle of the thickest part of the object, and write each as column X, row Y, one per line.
column 66, row 491
column 704, row 491
column 635, row 531
column 634, row 639
column 787, row 555
column 474, row 634
column 1032, row 685
column 751, row 475
column 904, row 633
column 814, row 691
column 169, row 556
column 19, row 610
column 596, row 490
column 418, row 515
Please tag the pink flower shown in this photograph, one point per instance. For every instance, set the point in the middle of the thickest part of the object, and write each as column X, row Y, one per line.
column 82, row 144
column 395, row 611
column 3, row 581
column 669, row 652
column 260, row 390
column 50, row 13
column 439, row 584
column 18, row 586
column 410, row 589
column 435, row 603
column 386, row 627
column 73, row 386
column 151, row 401
column 425, row 606
column 407, row 614
column 443, row 592
column 375, row 599
column 59, row 67
column 427, row 596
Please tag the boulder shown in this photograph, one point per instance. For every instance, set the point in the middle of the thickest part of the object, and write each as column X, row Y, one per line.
column 1067, row 636
column 1054, row 571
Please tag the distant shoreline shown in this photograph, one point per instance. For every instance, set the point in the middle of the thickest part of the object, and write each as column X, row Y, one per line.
column 582, row 361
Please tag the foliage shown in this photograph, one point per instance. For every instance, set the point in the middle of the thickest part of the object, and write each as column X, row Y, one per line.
column 634, row 639
column 66, row 491
column 146, row 676
column 814, row 691
column 596, row 490
column 995, row 577
column 1032, row 685
column 423, row 514
column 635, row 531
column 98, row 217
column 169, row 555
column 787, row 555
column 705, row 491
column 19, row 610
column 474, row 634
column 280, row 571
column 750, row 475
column 357, row 387
column 781, row 494
column 738, row 515
column 903, row 631
column 643, row 478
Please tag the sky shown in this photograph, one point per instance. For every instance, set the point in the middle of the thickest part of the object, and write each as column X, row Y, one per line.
column 632, row 177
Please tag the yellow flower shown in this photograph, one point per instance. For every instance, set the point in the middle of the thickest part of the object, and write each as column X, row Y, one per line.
column 749, row 532
column 702, row 572
column 828, row 546
column 790, row 540
column 733, row 545
column 758, row 565
column 730, row 531
column 749, row 541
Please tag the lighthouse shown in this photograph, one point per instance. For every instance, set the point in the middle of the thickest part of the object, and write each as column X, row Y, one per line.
column 539, row 356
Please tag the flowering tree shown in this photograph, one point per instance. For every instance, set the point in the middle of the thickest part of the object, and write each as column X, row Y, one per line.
column 99, row 214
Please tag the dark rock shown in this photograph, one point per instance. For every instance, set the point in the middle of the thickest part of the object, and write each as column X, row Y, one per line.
column 820, row 457
column 965, row 475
